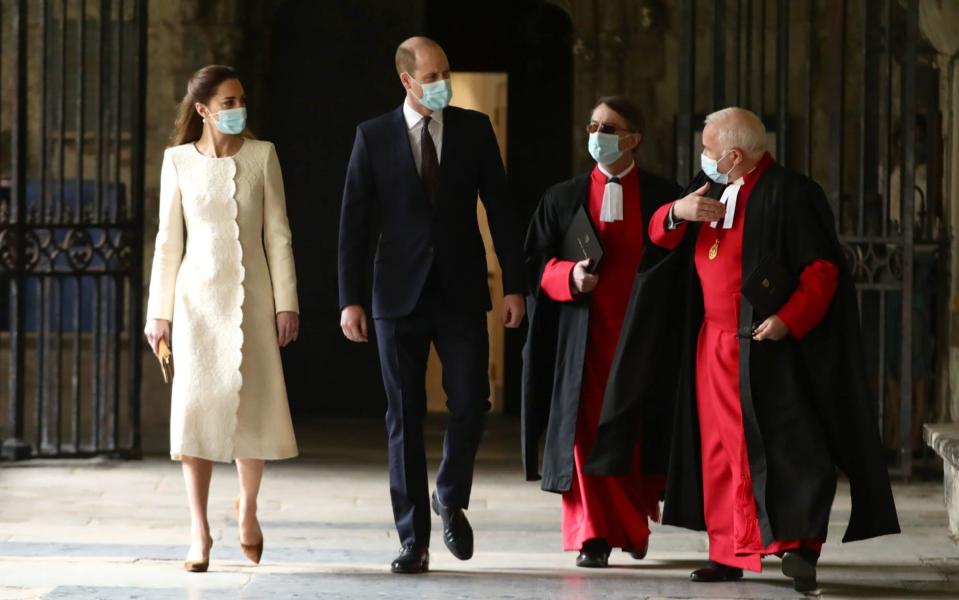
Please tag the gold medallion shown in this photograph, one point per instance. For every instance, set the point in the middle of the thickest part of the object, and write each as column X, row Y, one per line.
column 714, row 250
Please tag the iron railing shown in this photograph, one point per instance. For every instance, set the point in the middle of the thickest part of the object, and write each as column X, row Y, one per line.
column 71, row 226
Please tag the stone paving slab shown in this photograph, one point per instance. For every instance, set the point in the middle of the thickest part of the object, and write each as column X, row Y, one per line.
column 114, row 530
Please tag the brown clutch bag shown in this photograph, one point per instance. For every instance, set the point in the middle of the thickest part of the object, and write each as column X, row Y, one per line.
column 165, row 356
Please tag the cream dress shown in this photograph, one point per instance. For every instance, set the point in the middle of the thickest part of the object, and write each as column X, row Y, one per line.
column 222, row 270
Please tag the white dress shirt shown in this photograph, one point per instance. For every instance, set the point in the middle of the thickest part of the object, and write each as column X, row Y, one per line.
column 414, row 126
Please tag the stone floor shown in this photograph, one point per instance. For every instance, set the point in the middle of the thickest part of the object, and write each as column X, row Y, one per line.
column 102, row 529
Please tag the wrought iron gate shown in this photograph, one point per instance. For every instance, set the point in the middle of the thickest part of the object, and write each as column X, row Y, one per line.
column 71, row 226
column 836, row 84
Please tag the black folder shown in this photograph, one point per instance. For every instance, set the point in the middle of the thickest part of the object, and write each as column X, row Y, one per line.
column 582, row 241
column 768, row 287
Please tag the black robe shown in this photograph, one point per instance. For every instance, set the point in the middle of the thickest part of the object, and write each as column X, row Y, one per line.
column 806, row 407
column 553, row 356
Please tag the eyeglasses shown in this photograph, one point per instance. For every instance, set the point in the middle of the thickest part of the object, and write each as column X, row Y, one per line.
column 594, row 126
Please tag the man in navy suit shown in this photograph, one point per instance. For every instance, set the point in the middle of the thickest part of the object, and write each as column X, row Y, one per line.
column 420, row 168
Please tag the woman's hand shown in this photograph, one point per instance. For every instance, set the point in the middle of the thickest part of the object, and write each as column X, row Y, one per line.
column 156, row 330
column 287, row 327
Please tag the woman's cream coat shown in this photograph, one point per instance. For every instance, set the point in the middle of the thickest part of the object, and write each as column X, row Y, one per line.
column 222, row 270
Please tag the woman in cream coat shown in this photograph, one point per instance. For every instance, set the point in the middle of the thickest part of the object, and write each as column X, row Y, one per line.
column 223, row 276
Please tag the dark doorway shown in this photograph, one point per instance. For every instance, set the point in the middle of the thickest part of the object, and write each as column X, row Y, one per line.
column 311, row 106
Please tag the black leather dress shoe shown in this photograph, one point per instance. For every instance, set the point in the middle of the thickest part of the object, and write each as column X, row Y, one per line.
column 594, row 554
column 412, row 559
column 457, row 533
column 591, row 560
column 641, row 553
column 716, row 572
column 800, row 564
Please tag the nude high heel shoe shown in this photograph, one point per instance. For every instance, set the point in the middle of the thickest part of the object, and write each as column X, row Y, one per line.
column 252, row 551
column 199, row 566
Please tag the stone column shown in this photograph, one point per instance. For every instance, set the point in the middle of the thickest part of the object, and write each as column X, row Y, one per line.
column 939, row 23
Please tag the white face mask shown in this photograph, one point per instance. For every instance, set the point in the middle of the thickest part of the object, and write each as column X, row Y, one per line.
column 711, row 167
column 604, row 147
column 230, row 120
column 436, row 95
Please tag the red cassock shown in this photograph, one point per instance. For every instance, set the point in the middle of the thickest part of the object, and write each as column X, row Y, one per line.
column 615, row 508
column 729, row 504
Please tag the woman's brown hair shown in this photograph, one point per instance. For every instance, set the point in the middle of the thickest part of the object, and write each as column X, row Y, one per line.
column 201, row 88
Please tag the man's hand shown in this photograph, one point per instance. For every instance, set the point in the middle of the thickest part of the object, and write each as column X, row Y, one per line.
column 772, row 328
column 583, row 282
column 287, row 327
column 353, row 323
column 514, row 308
column 696, row 207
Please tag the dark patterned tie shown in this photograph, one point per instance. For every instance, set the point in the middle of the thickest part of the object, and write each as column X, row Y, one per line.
column 429, row 164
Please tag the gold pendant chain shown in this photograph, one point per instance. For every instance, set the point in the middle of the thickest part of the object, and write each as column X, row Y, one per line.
column 714, row 249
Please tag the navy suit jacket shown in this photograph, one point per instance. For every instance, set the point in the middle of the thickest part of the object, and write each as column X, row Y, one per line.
column 414, row 236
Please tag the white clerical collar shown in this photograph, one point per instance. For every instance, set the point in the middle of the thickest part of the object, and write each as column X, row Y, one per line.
column 730, row 195
column 612, row 209
column 413, row 118
column 625, row 172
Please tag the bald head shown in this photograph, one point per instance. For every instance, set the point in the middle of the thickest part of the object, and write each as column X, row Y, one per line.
column 414, row 51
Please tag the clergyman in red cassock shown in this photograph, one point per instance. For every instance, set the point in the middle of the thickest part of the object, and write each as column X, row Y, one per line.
column 768, row 405
column 578, row 313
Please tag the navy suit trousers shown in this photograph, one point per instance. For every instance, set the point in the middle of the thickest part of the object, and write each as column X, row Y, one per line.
column 462, row 344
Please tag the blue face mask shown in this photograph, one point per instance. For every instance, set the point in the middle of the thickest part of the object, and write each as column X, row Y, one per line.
column 604, row 147
column 231, row 120
column 436, row 95
column 711, row 168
